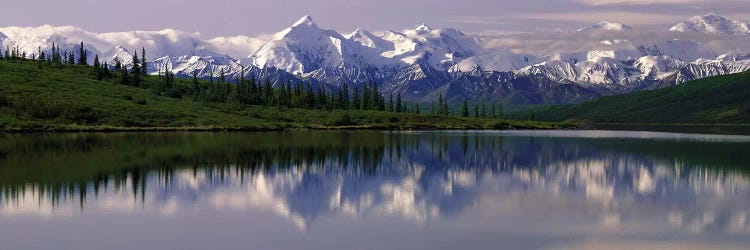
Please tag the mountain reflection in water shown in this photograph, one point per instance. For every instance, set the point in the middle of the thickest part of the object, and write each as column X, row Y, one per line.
column 538, row 182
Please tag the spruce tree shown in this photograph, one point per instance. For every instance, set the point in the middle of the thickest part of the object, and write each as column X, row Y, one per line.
column 96, row 61
column 71, row 58
column 365, row 98
column 500, row 111
column 40, row 54
column 97, row 67
column 440, row 105
column 124, row 76
column 309, row 99
column 465, row 109
column 82, row 55
column 322, row 100
column 136, row 70
column 105, row 71
column 58, row 54
column 196, row 85
column 375, row 98
column 399, row 105
column 144, row 66
column 354, row 103
column 389, row 106
column 476, row 110
column 445, row 107
column 52, row 54
column 344, row 97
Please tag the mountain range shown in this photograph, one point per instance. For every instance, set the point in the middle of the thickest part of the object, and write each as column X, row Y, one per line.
column 424, row 63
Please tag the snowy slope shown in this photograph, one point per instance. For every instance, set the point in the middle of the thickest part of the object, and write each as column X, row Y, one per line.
column 441, row 48
column 500, row 60
column 305, row 47
column 201, row 66
column 713, row 24
column 111, row 46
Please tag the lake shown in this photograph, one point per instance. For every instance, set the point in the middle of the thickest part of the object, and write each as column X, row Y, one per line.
column 375, row 190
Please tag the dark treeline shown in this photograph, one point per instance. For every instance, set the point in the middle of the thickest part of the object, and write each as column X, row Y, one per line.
column 288, row 94
column 240, row 90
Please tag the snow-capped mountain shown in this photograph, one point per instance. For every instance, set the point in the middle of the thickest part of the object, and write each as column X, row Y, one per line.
column 186, row 51
column 713, row 24
column 423, row 63
column 304, row 48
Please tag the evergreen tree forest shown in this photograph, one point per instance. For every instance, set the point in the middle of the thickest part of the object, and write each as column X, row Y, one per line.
column 221, row 89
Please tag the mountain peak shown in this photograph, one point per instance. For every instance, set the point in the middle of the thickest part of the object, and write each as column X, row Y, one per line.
column 305, row 21
column 424, row 28
column 358, row 32
column 606, row 26
column 710, row 17
column 713, row 15
column 713, row 24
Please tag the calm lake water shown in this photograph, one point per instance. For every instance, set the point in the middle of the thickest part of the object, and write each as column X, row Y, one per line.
column 375, row 190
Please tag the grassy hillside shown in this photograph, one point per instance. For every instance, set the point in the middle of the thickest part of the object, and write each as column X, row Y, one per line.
column 715, row 100
column 37, row 96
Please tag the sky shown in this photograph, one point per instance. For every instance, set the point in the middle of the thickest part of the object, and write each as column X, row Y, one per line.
column 255, row 17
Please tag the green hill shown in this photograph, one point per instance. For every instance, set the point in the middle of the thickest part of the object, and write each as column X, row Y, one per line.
column 715, row 100
column 37, row 96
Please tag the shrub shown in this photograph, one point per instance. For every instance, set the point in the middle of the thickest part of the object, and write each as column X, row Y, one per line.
column 84, row 115
column 501, row 125
column 343, row 120
column 175, row 93
column 745, row 109
column 37, row 108
column 4, row 101
column 141, row 101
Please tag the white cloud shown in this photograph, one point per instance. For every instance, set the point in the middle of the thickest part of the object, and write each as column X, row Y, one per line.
column 630, row 18
column 239, row 47
column 565, row 42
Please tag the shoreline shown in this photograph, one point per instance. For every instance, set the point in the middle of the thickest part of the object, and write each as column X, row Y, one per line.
column 674, row 124
column 512, row 125
column 280, row 127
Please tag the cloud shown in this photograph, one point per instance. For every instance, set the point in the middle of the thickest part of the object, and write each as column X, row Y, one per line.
column 630, row 18
column 476, row 20
column 566, row 42
column 239, row 46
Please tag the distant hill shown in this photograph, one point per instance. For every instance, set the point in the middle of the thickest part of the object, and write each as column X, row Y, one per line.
column 720, row 99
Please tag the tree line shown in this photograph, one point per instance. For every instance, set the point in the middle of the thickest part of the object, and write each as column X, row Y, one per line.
column 241, row 90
